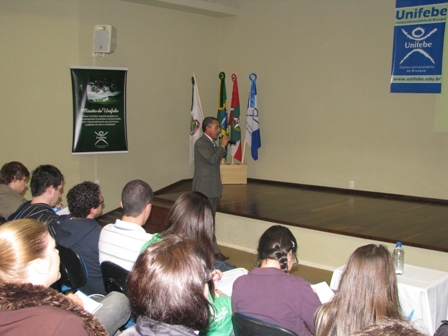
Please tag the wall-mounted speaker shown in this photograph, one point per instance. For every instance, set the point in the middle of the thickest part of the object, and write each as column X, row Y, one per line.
column 104, row 39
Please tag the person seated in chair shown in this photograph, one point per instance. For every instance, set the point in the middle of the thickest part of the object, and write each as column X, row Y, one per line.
column 121, row 242
column 46, row 185
column 82, row 232
column 28, row 267
column 13, row 176
column 367, row 294
column 167, row 289
column 269, row 292
column 192, row 215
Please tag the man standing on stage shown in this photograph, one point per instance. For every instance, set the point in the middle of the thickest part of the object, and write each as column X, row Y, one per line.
column 207, row 175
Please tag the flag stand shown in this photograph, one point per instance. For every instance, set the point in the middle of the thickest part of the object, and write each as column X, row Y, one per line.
column 234, row 173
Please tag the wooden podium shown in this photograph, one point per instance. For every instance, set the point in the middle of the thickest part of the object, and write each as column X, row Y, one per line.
column 233, row 173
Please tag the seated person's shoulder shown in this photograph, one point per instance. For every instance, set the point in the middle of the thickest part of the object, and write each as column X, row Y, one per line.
column 43, row 320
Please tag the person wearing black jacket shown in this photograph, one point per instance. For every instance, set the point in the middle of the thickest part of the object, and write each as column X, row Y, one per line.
column 81, row 232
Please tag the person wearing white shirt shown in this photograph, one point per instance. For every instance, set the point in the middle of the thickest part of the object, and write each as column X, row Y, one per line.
column 121, row 242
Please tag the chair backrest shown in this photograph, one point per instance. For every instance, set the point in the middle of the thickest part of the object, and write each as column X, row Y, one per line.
column 245, row 325
column 114, row 277
column 73, row 270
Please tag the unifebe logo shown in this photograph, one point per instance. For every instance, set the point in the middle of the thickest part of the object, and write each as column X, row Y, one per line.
column 101, row 139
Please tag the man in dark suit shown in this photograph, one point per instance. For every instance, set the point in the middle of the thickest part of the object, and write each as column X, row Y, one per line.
column 207, row 159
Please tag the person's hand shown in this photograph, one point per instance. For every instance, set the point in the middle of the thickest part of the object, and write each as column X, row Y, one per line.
column 225, row 140
column 217, row 275
column 220, row 293
column 75, row 299
column 59, row 206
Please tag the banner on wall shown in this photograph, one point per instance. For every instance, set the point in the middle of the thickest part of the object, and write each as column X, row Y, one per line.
column 418, row 46
column 99, row 110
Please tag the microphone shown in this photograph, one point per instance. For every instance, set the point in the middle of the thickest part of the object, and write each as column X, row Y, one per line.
column 232, row 142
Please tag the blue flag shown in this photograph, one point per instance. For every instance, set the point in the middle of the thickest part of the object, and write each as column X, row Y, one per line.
column 253, row 138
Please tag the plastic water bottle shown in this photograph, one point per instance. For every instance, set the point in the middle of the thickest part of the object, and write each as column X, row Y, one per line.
column 399, row 258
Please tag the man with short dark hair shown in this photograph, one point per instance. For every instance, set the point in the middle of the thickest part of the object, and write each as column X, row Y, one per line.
column 46, row 184
column 207, row 174
column 121, row 242
column 13, row 176
column 82, row 232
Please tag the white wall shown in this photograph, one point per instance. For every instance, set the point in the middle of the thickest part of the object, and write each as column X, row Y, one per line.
column 327, row 116
column 323, row 68
column 161, row 49
column 316, row 248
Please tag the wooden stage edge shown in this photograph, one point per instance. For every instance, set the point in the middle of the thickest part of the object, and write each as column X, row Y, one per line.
column 415, row 221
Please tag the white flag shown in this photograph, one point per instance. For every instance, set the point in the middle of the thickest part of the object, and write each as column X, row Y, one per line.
column 195, row 119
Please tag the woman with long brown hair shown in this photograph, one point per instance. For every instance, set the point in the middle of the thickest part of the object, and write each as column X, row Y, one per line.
column 367, row 294
column 166, row 289
column 192, row 215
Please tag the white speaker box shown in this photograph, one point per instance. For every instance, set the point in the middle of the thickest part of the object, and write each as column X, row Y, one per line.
column 104, row 39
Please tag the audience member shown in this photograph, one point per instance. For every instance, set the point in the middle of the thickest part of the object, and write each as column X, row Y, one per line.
column 121, row 242
column 13, row 176
column 192, row 215
column 82, row 232
column 46, row 184
column 367, row 294
column 269, row 293
column 28, row 266
column 391, row 327
column 167, row 289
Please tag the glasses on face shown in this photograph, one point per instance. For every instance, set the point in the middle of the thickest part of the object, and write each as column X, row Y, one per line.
column 296, row 261
column 101, row 200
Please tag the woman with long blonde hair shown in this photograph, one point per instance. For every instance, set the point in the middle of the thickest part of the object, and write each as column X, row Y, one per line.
column 29, row 265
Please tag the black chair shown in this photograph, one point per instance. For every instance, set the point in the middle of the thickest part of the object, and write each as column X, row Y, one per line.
column 245, row 325
column 72, row 268
column 114, row 277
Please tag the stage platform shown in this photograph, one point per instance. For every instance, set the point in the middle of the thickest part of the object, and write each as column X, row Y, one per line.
column 417, row 222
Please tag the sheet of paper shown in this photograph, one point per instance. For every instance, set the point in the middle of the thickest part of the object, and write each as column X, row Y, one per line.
column 225, row 284
column 323, row 291
column 63, row 211
column 89, row 304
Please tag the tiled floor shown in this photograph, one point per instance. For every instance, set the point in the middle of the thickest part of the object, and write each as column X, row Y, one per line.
column 248, row 261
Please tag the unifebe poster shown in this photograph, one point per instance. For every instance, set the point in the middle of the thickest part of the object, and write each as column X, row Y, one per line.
column 418, row 46
column 99, row 110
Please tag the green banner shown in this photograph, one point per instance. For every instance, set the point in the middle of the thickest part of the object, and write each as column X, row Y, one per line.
column 99, row 110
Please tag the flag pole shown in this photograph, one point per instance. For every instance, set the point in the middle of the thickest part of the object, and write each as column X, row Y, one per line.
column 199, row 97
column 244, row 144
column 233, row 158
